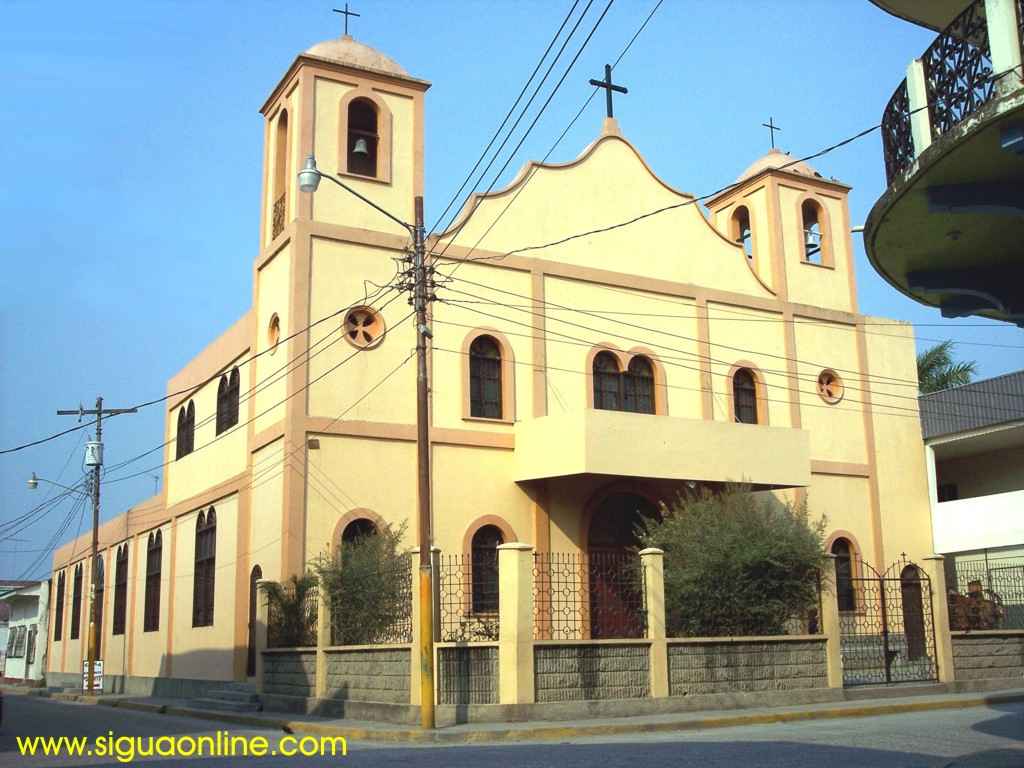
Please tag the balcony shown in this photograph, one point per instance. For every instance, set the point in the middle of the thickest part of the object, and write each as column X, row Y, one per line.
column 981, row 522
column 947, row 231
column 615, row 444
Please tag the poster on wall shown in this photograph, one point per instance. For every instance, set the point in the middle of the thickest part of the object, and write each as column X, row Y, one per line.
column 97, row 676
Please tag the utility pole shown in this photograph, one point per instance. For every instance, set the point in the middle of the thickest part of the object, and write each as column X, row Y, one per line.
column 94, row 458
column 421, row 295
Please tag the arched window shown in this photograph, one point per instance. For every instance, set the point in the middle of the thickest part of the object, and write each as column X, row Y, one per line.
column 120, row 589
column 205, row 568
column 638, row 386
column 76, row 603
column 606, row 382
column 186, row 436
column 280, row 174
column 359, row 528
column 741, row 232
column 99, row 605
column 154, row 557
column 485, row 378
column 484, row 559
column 810, row 212
column 744, row 395
column 58, row 612
column 362, row 137
column 227, row 400
column 845, row 594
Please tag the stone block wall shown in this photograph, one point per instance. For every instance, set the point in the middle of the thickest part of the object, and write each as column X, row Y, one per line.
column 585, row 672
column 369, row 674
column 987, row 654
column 467, row 674
column 756, row 665
column 290, row 673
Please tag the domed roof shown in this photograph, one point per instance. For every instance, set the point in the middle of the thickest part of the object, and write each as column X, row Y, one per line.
column 776, row 158
column 345, row 50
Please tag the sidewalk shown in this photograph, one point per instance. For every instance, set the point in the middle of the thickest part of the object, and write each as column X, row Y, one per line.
column 478, row 733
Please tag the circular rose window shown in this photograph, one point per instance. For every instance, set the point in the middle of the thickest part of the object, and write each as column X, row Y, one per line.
column 364, row 327
column 273, row 332
column 830, row 386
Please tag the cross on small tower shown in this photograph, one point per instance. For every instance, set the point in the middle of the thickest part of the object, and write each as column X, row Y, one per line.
column 608, row 86
column 772, row 128
column 346, row 13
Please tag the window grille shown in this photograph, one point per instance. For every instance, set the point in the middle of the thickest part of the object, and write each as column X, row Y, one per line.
column 205, row 568
column 485, row 378
column 744, row 396
column 154, row 555
column 186, row 434
column 58, row 613
column 227, row 401
column 76, row 603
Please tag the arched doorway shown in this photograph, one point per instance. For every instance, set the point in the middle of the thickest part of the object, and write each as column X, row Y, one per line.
column 359, row 528
column 615, row 591
column 913, row 612
column 250, row 663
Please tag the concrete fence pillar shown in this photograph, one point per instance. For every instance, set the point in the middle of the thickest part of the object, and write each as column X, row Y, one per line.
column 415, row 668
column 934, row 567
column 920, row 116
column 830, row 626
column 515, row 622
column 323, row 639
column 652, row 560
column 260, row 630
column 1004, row 43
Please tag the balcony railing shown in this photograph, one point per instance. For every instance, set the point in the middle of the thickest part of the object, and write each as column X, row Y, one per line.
column 958, row 70
column 954, row 78
column 278, row 225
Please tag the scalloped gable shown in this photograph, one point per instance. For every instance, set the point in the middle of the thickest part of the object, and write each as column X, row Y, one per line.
column 607, row 184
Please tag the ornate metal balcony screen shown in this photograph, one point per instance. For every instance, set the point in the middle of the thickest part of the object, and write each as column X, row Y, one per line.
column 958, row 70
column 468, row 597
column 278, row 216
column 897, row 141
column 580, row 596
column 293, row 631
column 987, row 594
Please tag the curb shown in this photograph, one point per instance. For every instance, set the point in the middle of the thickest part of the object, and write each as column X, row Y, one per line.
column 693, row 722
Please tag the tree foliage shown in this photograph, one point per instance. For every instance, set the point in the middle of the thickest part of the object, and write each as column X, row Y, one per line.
column 291, row 615
column 736, row 563
column 937, row 370
column 368, row 584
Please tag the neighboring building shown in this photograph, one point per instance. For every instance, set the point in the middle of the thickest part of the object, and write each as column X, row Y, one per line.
column 947, row 231
column 974, row 447
column 28, row 608
column 739, row 354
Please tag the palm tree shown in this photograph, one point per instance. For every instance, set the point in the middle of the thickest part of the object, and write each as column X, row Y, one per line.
column 937, row 370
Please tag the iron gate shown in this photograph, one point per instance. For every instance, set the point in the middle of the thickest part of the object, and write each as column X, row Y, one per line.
column 889, row 635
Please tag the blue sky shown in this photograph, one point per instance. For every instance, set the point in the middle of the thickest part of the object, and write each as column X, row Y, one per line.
column 132, row 156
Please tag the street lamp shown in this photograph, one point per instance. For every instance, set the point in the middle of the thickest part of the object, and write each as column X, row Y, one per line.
column 34, row 481
column 309, row 181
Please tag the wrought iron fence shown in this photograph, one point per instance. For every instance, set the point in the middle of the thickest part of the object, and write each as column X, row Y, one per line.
column 279, row 214
column 581, row 596
column 290, row 625
column 468, row 596
column 958, row 70
column 897, row 140
column 383, row 617
column 987, row 594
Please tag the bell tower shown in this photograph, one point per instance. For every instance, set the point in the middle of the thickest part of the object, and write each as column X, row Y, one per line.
column 361, row 115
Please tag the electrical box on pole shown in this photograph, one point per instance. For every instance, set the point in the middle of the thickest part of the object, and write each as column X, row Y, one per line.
column 94, row 454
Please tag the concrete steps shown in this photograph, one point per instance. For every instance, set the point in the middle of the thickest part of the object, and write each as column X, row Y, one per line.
column 232, row 697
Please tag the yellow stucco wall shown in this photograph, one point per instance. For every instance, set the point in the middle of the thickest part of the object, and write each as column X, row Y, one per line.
column 811, row 283
column 273, row 296
column 267, row 484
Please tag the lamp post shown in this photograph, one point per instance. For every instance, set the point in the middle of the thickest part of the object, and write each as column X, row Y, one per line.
column 309, row 181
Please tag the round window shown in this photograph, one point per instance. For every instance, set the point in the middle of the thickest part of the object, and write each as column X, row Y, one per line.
column 273, row 332
column 364, row 327
column 830, row 386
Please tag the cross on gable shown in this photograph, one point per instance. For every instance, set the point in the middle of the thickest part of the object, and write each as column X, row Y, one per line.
column 772, row 128
column 346, row 13
column 609, row 87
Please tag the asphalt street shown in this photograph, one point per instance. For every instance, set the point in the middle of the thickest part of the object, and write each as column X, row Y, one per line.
column 982, row 737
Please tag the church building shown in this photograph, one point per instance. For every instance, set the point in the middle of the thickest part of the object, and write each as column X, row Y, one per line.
column 574, row 387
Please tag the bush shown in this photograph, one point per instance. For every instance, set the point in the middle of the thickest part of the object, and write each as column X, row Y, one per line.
column 736, row 563
column 291, row 615
column 369, row 585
